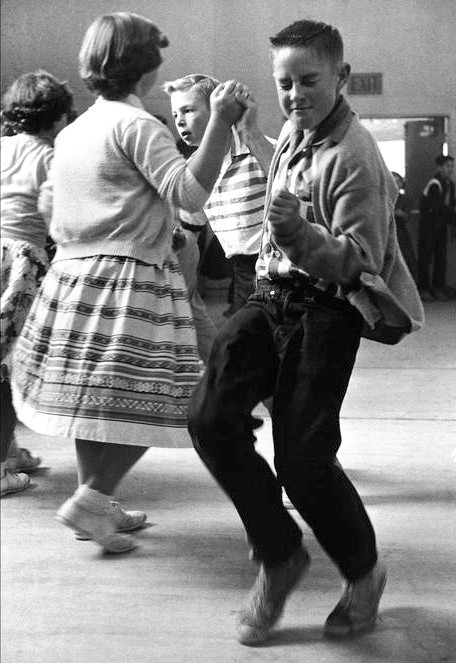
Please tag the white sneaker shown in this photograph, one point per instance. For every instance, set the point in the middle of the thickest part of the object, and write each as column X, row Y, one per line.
column 126, row 521
column 13, row 482
column 90, row 512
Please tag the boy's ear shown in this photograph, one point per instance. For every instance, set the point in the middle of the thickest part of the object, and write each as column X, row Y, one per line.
column 344, row 73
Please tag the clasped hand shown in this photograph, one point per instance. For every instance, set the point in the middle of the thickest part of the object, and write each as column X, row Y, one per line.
column 229, row 100
column 284, row 213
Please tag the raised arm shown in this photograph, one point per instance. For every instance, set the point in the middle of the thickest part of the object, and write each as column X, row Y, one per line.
column 227, row 105
column 259, row 145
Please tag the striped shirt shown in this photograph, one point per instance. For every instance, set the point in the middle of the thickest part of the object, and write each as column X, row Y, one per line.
column 236, row 205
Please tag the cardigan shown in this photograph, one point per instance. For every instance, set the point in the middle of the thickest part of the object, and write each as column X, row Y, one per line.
column 25, row 163
column 352, row 234
column 115, row 181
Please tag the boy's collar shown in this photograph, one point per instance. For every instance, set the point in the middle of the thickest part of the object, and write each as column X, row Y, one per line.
column 334, row 126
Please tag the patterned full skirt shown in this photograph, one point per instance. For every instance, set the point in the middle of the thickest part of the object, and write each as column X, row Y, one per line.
column 108, row 353
column 23, row 267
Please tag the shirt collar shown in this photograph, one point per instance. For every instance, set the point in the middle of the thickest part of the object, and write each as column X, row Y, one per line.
column 334, row 127
column 131, row 100
column 237, row 146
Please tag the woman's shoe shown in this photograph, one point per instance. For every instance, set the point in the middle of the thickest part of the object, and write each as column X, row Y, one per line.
column 126, row 521
column 13, row 482
column 90, row 512
column 21, row 460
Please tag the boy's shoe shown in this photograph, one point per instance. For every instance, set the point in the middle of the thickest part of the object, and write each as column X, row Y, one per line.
column 126, row 521
column 13, row 482
column 426, row 296
column 439, row 295
column 90, row 512
column 267, row 598
column 21, row 460
column 357, row 610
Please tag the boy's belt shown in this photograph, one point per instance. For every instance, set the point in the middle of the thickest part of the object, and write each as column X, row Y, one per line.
column 300, row 290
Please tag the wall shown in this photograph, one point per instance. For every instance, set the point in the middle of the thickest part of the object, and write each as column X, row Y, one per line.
column 410, row 41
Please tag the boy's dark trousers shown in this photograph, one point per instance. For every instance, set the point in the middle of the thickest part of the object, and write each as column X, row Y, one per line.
column 301, row 349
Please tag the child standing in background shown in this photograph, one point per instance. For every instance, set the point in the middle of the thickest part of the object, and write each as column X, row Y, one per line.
column 34, row 109
column 236, row 205
column 108, row 354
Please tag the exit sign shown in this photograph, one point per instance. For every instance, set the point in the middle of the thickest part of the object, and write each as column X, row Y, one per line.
column 365, row 84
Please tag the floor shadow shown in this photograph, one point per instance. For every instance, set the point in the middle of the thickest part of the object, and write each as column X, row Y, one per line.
column 402, row 635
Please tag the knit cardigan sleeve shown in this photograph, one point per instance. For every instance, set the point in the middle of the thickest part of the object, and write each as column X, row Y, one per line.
column 151, row 147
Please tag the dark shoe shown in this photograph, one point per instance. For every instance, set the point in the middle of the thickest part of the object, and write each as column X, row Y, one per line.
column 357, row 610
column 439, row 295
column 426, row 296
column 267, row 598
column 21, row 460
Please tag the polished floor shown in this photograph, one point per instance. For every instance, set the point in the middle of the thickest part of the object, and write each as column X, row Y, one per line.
column 175, row 599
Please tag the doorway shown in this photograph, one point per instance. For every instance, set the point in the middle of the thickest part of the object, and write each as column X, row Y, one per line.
column 409, row 146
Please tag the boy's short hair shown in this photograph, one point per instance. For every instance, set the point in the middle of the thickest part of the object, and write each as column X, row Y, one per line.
column 117, row 50
column 325, row 39
column 34, row 102
column 201, row 83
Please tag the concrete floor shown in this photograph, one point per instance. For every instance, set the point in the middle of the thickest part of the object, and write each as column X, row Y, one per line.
column 175, row 599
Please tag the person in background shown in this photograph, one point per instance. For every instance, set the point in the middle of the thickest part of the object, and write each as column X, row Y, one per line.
column 186, row 245
column 437, row 213
column 34, row 109
column 402, row 218
column 297, row 338
column 108, row 354
column 236, row 204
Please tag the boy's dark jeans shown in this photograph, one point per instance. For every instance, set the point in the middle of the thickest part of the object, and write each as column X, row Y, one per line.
column 303, row 353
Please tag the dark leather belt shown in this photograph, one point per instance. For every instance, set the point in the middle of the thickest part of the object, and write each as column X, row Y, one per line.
column 189, row 226
column 299, row 290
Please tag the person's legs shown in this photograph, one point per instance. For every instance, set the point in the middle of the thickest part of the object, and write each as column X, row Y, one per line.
column 90, row 511
column 424, row 257
column 240, row 373
column 243, row 279
column 313, row 379
column 189, row 256
column 11, row 482
column 311, row 385
column 440, row 256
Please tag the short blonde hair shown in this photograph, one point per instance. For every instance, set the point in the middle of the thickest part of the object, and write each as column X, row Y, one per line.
column 202, row 84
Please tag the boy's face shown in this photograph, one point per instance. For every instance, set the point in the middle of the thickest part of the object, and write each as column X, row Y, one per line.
column 191, row 115
column 308, row 84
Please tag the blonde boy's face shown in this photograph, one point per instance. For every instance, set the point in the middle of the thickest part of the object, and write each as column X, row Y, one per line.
column 308, row 84
column 191, row 115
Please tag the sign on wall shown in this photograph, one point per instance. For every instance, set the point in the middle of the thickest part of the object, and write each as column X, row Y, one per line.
column 369, row 83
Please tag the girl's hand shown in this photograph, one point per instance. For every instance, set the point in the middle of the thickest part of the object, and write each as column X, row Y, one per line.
column 284, row 213
column 248, row 123
column 228, row 101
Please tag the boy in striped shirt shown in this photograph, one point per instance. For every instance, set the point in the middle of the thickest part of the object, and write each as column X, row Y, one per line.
column 236, row 205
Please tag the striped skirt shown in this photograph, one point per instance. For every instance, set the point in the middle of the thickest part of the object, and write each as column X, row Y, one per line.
column 108, row 353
